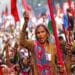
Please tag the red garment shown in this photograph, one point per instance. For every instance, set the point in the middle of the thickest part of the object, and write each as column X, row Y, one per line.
column 1, row 71
column 43, row 66
column 25, row 73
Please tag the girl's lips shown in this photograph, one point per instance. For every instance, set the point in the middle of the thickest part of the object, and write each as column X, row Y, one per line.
column 41, row 39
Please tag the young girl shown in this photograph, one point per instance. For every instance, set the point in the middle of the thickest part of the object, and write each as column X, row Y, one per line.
column 26, row 68
column 43, row 51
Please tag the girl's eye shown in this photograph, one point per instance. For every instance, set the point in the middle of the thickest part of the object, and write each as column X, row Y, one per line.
column 42, row 31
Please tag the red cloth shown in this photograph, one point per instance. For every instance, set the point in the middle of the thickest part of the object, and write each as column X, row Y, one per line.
column 59, row 53
column 14, row 11
column 69, row 3
column 25, row 73
column 26, row 6
column 1, row 71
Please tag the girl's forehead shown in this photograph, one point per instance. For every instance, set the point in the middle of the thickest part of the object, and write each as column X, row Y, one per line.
column 41, row 27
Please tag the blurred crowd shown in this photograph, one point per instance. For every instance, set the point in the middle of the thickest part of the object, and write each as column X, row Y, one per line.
column 17, row 60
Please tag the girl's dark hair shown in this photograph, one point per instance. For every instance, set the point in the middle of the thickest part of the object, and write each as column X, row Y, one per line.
column 68, row 10
column 60, row 38
column 41, row 25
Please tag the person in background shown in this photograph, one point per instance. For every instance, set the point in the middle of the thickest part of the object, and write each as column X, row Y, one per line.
column 26, row 68
column 70, row 19
column 62, row 44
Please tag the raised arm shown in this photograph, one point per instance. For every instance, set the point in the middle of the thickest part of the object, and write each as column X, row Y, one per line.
column 29, row 44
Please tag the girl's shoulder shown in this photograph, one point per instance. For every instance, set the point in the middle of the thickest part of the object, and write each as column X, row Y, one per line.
column 52, row 47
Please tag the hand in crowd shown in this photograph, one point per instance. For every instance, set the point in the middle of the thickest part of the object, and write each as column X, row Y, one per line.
column 26, row 16
column 69, row 47
column 26, row 19
column 61, row 68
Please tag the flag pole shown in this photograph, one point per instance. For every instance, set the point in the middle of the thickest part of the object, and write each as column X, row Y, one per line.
column 69, row 3
column 59, row 52
column 72, row 12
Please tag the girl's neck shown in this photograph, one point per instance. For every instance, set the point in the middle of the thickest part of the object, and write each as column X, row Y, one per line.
column 45, row 44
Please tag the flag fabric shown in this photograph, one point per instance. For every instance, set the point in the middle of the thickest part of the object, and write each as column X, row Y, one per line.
column 69, row 3
column 59, row 51
column 26, row 6
column 50, row 27
column 71, row 6
column 14, row 10
column 1, row 71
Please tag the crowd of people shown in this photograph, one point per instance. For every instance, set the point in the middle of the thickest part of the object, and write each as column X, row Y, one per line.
column 31, row 50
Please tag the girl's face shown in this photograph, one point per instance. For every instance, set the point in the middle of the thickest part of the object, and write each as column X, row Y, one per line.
column 41, row 34
column 25, row 61
column 17, row 67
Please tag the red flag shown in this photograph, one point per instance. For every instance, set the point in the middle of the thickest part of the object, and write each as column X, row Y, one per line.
column 70, row 6
column 69, row 3
column 26, row 6
column 59, row 53
column 14, row 11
